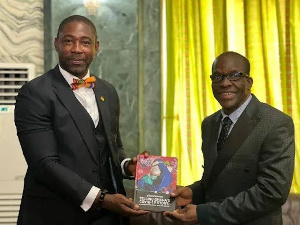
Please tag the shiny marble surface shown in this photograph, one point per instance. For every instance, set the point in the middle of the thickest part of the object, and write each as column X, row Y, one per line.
column 120, row 25
column 28, row 29
column 22, row 32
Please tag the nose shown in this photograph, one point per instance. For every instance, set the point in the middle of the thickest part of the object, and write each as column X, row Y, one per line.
column 76, row 47
column 225, row 82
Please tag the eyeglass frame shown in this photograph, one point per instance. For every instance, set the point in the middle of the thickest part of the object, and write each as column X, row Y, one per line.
column 222, row 77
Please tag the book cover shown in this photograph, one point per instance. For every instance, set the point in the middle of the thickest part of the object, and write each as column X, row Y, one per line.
column 156, row 178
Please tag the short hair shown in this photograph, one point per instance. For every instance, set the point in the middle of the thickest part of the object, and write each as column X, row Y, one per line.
column 235, row 54
column 77, row 18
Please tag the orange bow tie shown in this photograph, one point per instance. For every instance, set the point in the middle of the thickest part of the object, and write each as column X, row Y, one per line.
column 88, row 82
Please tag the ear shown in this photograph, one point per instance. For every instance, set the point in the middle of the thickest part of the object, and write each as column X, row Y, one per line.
column 249, row 83
column 56, row 44
column 97, row 45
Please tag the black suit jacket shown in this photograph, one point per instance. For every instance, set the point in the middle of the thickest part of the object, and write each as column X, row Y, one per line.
column 251, row 177
column 57, row 137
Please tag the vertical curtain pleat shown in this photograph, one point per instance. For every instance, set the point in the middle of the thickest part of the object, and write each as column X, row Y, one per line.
column 295, row 71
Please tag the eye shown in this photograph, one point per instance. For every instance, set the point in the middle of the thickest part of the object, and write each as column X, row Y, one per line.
column 236, row 74
column 86, row 42
column 67, row 41
column 217, row 77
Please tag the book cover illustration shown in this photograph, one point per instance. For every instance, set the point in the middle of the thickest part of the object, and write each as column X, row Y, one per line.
column 156, row 178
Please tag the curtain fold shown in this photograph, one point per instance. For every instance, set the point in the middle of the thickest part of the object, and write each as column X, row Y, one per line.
column 294, row 94
column 266, row 32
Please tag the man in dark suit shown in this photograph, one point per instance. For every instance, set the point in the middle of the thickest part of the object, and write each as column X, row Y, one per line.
column 68, row 127
column 248, row 168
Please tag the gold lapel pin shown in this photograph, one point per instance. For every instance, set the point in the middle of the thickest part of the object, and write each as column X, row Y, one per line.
column 102, row 98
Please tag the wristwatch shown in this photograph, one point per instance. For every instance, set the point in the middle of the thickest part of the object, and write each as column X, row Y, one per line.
column 101, row 199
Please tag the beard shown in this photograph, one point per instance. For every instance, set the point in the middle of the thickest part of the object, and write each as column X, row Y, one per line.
column 75, row 65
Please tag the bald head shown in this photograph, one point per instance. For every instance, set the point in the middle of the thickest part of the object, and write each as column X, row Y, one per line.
column 233, row 57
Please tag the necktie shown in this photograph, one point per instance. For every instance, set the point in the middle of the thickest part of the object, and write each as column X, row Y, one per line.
column 88, row 82
column 224, row 132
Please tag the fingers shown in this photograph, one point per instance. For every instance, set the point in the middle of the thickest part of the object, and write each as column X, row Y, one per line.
column 176, row 211
column 177, row 192
column 176, row 214
column 130, row 204
column 188, row 215
column 146, row 153
column 125, row 206
column 134, row 213
column 131, row 165
column 132, row 209
column 133, row 161
column 183, row 196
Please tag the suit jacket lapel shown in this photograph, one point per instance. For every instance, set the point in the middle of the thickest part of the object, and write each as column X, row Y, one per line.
column 241, row 130
column 78, row 113
column 214, row 133
column 102, row 101
column 211, row 150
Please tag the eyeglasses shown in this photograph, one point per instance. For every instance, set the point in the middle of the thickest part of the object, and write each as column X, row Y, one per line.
column 215, row 78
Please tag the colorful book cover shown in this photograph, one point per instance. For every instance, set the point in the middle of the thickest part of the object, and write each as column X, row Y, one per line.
column 156, row 178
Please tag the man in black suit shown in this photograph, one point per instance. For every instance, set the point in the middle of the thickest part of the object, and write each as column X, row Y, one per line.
column 68, row 127
column 248, row 169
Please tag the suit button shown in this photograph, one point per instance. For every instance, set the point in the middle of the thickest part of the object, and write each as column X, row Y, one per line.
column 246, row 170
column 206, row 198
column 95, row 132
column 95, row 170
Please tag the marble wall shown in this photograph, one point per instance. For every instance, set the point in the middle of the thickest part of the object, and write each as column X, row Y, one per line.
column 22, row 32
column 129, row 58
column 151, row 75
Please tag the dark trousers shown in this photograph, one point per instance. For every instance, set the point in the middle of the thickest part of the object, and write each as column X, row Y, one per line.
column 42, row 211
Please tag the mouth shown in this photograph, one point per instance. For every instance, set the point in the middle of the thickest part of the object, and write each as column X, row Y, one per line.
column 76, row 60
column 226, row 95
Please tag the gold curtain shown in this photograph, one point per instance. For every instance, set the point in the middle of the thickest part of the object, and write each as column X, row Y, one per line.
column 267, row 32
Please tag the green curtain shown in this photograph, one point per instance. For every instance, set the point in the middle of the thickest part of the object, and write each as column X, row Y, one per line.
column 267, row 32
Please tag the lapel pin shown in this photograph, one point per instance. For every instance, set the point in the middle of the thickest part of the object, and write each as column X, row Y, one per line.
column 102, row 98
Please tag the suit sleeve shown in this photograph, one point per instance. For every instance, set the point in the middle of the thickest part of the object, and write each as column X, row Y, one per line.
column 122, row 154
column 39, row 146
column 275, row 172
column 198, row 186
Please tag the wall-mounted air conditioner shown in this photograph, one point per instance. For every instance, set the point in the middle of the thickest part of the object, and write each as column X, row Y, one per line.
column 12, row 163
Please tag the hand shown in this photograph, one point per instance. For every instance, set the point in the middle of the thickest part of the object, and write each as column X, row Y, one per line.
column 183, row 196
column 188, row 214
column 120, row 204
column 131, row 164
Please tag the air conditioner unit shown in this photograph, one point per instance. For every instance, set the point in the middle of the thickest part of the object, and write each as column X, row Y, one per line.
column 12, row 163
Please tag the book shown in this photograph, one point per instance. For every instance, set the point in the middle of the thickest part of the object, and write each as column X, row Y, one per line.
column 156, row 178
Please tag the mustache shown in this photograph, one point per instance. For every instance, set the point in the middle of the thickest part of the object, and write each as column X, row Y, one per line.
column 77, row 58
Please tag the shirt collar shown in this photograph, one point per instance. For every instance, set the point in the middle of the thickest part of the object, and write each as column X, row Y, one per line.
column 238, row 112
column 69, row 77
